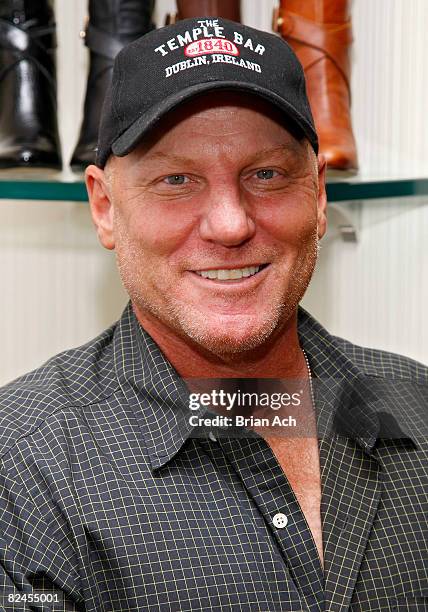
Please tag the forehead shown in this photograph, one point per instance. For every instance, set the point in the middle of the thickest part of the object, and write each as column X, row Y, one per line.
column 224, row 116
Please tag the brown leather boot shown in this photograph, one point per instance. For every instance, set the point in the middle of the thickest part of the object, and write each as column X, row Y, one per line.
column 228, row 9
column 319, row 31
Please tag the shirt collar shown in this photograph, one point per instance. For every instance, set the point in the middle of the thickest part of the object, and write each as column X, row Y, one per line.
column 349, row 401
column 346, row 400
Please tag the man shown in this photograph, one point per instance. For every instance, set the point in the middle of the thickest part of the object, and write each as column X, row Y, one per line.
column 114, row 496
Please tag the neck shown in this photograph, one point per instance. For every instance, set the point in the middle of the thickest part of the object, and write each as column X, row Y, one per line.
column 280, row 357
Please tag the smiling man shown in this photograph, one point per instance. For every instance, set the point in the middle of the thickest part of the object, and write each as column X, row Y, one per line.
column 224, row 229
column 114, row 493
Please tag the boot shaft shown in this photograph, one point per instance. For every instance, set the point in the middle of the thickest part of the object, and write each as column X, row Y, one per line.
column 39, row 12
column 122, row 17
column 321, row 11
column 228, row 9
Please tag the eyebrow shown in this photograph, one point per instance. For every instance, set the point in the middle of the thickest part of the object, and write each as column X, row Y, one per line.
column 285, row 148
column 180, row 159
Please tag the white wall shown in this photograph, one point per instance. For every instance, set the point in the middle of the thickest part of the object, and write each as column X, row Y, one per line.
column 60, row 288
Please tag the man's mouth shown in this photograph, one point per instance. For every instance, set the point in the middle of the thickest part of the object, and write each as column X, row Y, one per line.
column 226, row 274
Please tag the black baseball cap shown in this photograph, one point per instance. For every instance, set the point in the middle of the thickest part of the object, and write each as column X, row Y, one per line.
column 166, row 67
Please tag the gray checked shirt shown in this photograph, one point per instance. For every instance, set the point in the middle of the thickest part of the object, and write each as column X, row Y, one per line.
column 109, row 503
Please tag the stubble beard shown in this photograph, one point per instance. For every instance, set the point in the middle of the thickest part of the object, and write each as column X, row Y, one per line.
column 191, row 323
column 279, row 311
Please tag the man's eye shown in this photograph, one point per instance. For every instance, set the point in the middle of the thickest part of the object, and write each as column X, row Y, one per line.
column 176, row 179
column 265, row 175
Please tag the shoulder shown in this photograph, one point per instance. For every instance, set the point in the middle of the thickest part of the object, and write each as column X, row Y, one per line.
column 396, row 387
column 347, row 356
column 384, row 364
column 71, row 379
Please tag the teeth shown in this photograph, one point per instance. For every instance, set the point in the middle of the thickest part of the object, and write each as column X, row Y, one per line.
column 229, row 274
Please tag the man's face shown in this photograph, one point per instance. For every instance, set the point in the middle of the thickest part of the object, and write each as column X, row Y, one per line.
column 215, row 221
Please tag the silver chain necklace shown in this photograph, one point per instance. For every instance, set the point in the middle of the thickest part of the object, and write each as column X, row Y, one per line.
column 310, row 378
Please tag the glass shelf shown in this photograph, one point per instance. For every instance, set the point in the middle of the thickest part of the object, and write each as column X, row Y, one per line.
column 66, row 186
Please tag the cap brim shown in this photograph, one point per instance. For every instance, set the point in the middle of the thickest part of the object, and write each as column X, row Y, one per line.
column 127, row 141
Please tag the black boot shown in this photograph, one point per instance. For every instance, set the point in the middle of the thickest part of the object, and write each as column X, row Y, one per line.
column 112, row 24
column 28, row 111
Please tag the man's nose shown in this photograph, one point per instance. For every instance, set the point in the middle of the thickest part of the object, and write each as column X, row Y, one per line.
column 226, row 219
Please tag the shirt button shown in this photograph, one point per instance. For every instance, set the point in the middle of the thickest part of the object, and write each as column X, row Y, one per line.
column 212, row 436
column 280, row 520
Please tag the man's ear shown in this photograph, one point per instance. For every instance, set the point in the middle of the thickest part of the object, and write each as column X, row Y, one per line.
column 322, row 196
column 101, row 205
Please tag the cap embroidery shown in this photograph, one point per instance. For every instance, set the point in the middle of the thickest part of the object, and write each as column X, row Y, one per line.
column 213, row 48
column 207, row 46
column 207, row 28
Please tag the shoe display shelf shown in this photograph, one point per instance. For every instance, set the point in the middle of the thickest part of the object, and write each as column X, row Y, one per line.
column 347, row 193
